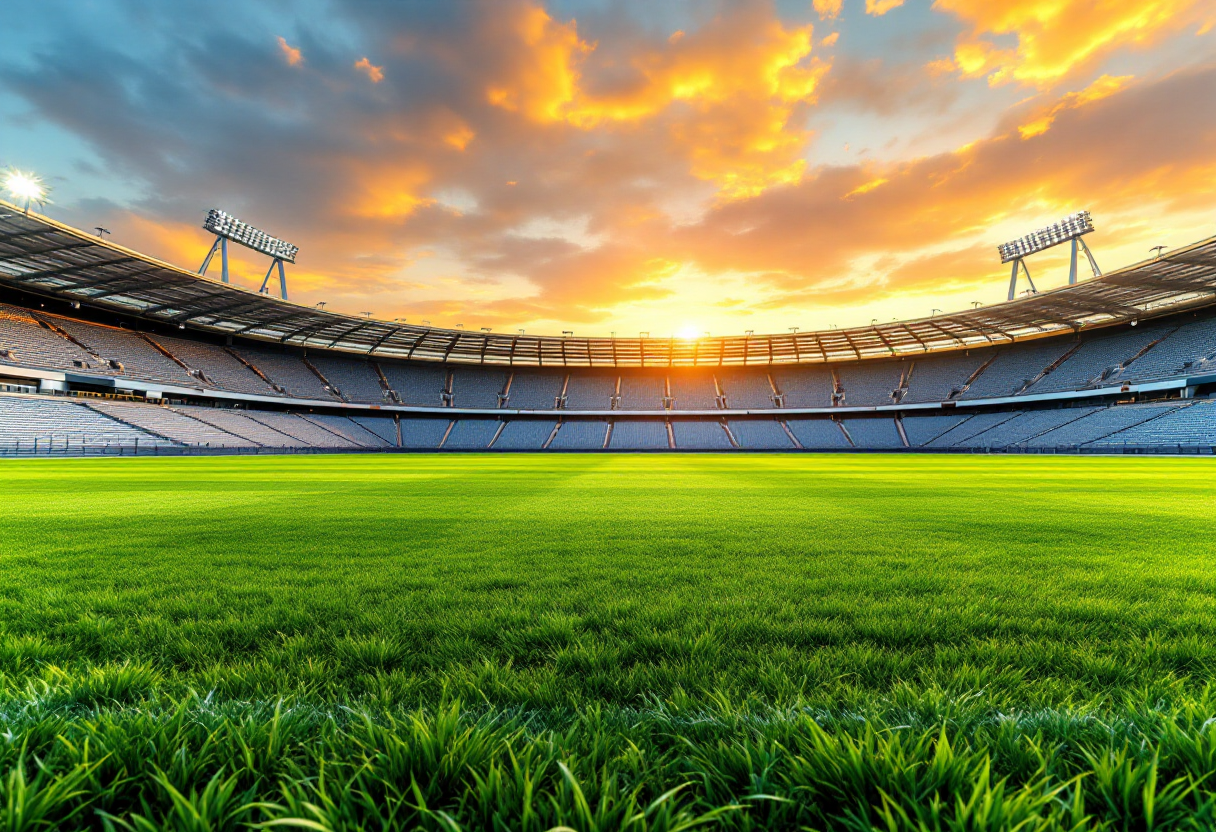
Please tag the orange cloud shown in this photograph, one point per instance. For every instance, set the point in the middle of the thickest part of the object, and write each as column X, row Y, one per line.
column 727, row 92
column 1056, row 37
column 375, row 73
column 828, row 9
column 291, row 54
column 830, row 40
column 1105, row 86
column 878, row 8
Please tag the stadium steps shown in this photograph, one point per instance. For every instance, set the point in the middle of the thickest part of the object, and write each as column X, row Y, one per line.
column 785, row 427
column 1151, row 417
column 333, row 388
column 903, row 436
column 384, row 385
column 242, row 425
column 1051, row 368
column 847, row 437
column 145, row 429
column 193, row 372
column 176, row 426
column 302, row 429
column 253, row 368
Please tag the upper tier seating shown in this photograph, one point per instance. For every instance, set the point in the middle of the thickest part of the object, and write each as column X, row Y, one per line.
column 236, row 422
column 288, row 372
column 804, row 386
column 817, row 433
column 219, row 367
column 692, row 390
column 535, row 390
column 1015, row 367
column 590, row 391
column 25, row 342
column 1189, row 426
column 355, row 432
column 423, row 433
column 760, row 434
column 355, row 378
column 921, row 430
column 1191, row 347
column 641, row 392
column 139, row 359
column 870, row 383
column 1096, row 356
column 524, row 435
column 416, row 385
column 700, row 436
column 477, row 387
column 580, row 435
column 1098, row 424
column 166, row 422
column 935, row 378
column 876, row 433
column 635, row 435
column 65, row 425
column 747, row 389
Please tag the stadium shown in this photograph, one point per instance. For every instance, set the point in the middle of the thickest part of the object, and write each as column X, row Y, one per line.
column 107, row 351
column 271, row 562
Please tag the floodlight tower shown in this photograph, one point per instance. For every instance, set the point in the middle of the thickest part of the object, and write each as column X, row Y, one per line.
column 1071, row 228
column 226, row 227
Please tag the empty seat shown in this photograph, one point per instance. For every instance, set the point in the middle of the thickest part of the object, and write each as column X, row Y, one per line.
column 760, row 434
column 580, row 435
column 818, row 433
column 700, row 435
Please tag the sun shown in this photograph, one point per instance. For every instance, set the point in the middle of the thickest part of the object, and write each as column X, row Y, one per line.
column 689, row 332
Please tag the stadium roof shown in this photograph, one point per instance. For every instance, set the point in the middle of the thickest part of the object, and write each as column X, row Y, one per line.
column 42, row 256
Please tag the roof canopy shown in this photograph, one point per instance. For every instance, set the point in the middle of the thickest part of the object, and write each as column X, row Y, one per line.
column 42, row 256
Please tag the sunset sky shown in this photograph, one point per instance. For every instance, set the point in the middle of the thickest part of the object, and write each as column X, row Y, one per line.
column 597, row 166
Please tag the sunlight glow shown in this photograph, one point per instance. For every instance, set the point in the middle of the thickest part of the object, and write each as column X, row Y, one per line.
column 24, row 187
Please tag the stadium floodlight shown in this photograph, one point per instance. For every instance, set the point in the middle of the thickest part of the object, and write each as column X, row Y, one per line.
column 1158, row 249
column 1071, row 228
column 226, row 227
column 25, row 187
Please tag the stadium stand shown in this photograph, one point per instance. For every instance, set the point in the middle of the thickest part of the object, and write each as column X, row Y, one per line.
column 818, row 433
column 1184, row 427
column 471, row 435
column 870, row 383
column 642, row 392
column 1025, row 426
column 170, row 424
column 746, row 390
column 693, row 390
column 299, row 428
column 1014, row 368
column 415, row 385
column 874, row 433
column 240, row 424
column 25, row 342
column 57, row 424
column 580, row 435
column 700, row 435
column 1099, row 358
column 760, row 435
column 219, row 367
column 921, row 430
column 422, row 434
column 590, row 392
column 289, row 373
column 383, row 429
column 637, row 435
column 354, row 432
column 137, row 357
column 977, row 424
column 804, row 386
column 535, row 391
column 942, row 378
column 1191, row 346
column 524, row 435
column 1098, row 425
column 354, row 379
column 476, row 387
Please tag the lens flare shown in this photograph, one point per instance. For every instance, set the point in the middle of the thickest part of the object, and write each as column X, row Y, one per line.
column 24, row 187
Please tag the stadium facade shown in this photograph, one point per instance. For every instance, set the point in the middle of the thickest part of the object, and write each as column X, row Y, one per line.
column 104, row 350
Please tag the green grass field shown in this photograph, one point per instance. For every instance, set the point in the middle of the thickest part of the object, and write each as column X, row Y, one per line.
column 608, row 642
